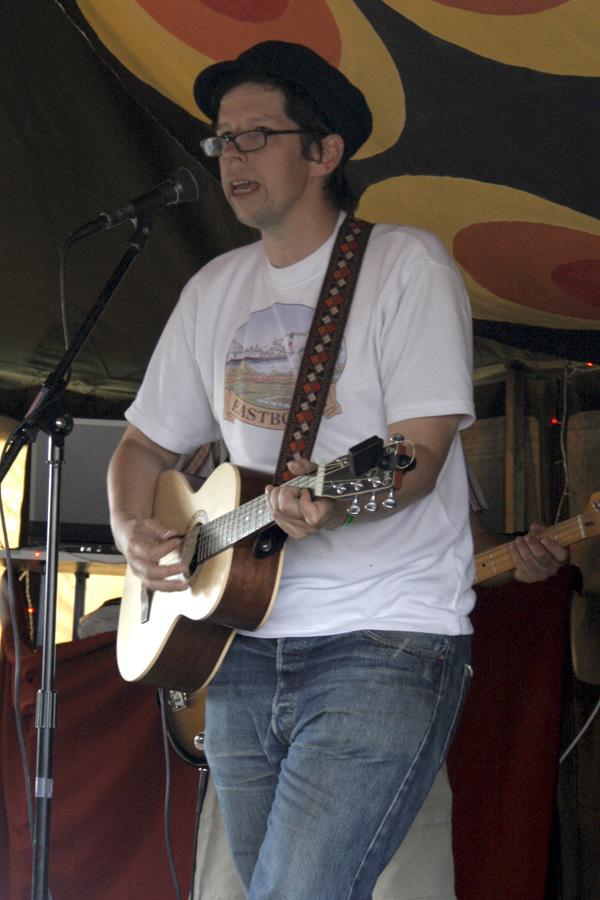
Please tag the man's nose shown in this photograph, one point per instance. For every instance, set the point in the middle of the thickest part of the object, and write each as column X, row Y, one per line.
column 230, row 151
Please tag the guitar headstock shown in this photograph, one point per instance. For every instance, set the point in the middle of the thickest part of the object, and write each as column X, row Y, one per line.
column 370, row 468
column 591, row 517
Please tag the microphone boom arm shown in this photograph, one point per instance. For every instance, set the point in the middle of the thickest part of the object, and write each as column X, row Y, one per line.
column 181, row 187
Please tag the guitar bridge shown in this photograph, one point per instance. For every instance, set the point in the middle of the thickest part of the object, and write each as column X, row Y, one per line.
column 146, row 601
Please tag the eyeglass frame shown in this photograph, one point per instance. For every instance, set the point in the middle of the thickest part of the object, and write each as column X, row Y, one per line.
column 230, row 138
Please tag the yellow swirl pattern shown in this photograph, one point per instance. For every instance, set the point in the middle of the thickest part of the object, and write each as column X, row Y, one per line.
column 563, row 40
column 447, row 205
column 366, row 61
column 159, row 59
column 146, row 49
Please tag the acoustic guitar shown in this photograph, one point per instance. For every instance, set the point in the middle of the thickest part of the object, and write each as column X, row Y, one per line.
column 233, row 552
column 185, row 712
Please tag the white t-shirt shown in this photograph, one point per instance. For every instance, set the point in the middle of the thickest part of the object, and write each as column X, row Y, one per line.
column 227, row 361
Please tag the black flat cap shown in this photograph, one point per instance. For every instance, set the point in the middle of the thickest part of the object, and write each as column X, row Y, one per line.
column 338, row 101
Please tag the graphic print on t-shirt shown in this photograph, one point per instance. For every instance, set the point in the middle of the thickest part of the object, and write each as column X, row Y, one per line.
column 262, row 363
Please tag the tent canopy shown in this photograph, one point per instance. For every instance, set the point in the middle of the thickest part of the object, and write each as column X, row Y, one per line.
column 486, row 132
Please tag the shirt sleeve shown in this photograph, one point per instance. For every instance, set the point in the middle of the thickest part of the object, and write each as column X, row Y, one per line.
column 173, row 406
column 426, row 341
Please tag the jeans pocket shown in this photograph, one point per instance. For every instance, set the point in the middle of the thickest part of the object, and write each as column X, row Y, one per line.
column 464, row 687
column 414, row 643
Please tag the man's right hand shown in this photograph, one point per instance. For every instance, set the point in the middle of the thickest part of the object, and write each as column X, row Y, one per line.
column 144, row 543
column 134, row 470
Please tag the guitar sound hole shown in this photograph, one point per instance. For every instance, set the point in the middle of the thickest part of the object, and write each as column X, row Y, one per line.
column 193, row 563
column 195, row 559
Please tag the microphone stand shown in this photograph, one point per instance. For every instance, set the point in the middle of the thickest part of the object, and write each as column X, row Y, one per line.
column 49, row 414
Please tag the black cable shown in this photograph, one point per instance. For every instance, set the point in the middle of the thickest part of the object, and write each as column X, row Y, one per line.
column 580, row 733
column 167, row 799
column 203, row 771
column 62, row 284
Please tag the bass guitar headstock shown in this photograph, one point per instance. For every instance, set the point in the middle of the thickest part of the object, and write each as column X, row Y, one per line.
column 591, row 517
column 371, row 468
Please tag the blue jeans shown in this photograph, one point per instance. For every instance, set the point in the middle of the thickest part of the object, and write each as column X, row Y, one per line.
column 323, row 749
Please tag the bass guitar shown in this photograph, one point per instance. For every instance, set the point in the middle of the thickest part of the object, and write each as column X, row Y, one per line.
column 584, row 525
column 233, row 552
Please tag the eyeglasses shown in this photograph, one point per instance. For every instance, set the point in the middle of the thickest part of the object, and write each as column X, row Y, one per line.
column 244, row 141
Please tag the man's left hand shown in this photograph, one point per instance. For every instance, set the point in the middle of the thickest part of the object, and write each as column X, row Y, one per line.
column 295, row 511
column 536, row 558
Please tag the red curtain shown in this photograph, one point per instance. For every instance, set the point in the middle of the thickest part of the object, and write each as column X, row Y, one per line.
column 503, row 764
column 106, row 817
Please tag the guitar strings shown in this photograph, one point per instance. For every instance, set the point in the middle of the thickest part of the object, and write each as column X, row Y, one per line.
column 225, row 530
column 568, row 532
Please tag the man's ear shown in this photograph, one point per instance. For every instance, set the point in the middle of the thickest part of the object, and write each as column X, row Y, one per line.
column 331, row 155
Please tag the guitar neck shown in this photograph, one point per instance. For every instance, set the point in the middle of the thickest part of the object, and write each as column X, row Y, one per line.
column 237, row 524
column 499, row 560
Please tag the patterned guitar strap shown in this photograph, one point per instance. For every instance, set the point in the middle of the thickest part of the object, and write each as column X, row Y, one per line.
column 323, row 344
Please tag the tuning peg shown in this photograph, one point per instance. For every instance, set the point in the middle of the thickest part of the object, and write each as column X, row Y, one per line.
column 390, row 501
column 371, row 504
column 340, row 488
column 354, row 508
column 397, row 460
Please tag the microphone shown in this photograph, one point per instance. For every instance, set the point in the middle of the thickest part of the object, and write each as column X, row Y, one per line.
column 181, row 187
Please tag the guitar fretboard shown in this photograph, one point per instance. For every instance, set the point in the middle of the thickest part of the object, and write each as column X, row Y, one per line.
column 499, row 560
column 224, row 531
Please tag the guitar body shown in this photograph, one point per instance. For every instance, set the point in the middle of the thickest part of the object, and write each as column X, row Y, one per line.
column 184, row 716
column 178, row 640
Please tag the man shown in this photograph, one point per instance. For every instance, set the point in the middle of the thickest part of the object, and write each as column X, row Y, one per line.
column 325, row 727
